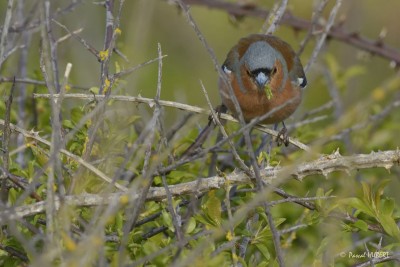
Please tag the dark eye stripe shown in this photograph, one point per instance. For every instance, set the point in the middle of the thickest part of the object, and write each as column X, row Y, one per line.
column 266, row 71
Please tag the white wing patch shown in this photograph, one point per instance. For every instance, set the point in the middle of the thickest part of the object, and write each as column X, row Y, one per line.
column 226, row 70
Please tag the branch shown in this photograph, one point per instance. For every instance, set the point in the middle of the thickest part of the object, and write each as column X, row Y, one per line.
column 151, row 102
column 5, row 147
column 324, row 166
column 336, row 32
column 35, row 82
column 3, row 38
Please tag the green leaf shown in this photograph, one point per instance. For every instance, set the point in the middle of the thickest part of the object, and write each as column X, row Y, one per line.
column 388, row 206
column 191, row 225
column 242, row 261
column 360, row 205
column 263, row 264
column 264, row 250
column 94, row 90
column 213, row 208
column 389, row 225
column 392, row 246
column 263, row 236
column 68, row 124
column 168, row 220
column 379, row 191
column 351, row 72
column 332, row 63
column 367, row 192
column 318, row 202
column 323, row 245
column 362, row 225
column 119, row 222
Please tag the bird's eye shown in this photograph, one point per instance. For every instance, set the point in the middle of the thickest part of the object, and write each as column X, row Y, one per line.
column 225, row 69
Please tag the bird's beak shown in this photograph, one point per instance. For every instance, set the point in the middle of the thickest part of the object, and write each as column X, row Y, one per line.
column 261, row 80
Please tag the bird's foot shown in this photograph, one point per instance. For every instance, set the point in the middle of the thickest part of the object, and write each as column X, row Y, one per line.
column 219, row 110
column 282, row 137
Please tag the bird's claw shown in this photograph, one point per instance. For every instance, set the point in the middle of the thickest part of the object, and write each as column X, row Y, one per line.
column 282, row 137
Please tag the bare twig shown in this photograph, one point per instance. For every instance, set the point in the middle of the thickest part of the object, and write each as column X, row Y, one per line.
column 22, row 92
column 373, row 261
column 5, row 148
column 6, row 25
column 260, row 185
column 306, row 122
column 45, row 66
column 338, row 105
column 186, row 107
column 14, row 253
column 134, row 68
column 67, row 36
column 35, row 82
column 217, row 67
column 176, row 220
column 276, row 17
column 108, row 46
column 147, row 177
column 177, row 126
column 293, row 228
column 89, row 47
column 242, row 165
column 316, row 110
column 296, row 23
column 371, row 119
column 53, row 49
column 316, row 16
column 322, row 39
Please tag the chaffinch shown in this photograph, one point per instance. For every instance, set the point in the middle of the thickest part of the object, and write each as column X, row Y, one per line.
column 265, row 74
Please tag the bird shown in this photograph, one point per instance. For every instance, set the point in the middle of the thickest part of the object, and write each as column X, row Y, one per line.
column 266, row 76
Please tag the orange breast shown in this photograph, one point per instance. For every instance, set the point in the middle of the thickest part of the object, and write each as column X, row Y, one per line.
column 254, row 102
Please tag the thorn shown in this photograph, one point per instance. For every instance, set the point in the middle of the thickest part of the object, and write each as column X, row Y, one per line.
column 248, row 6
column 296, row 31
column 288, row 13
column 383, row 33
column 355, row 35
column 341, row 21
column 388, row 167
column 379, row 43
column 393, row 64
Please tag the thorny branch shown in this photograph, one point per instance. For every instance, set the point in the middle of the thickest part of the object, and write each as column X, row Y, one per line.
column 336, row 32
column 323, row 166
